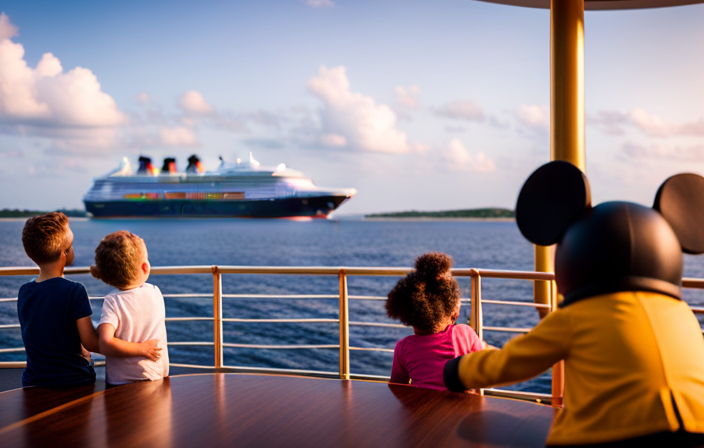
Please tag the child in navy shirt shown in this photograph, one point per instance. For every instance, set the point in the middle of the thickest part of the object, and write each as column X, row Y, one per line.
column 55, row 314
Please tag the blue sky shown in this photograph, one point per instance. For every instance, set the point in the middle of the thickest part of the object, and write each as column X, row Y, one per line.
column 418, row 105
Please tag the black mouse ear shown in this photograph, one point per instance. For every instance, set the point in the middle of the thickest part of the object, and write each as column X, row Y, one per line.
column 552, row 197
column 680, row 200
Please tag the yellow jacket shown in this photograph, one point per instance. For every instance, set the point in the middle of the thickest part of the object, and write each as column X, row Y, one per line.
column 627, row 356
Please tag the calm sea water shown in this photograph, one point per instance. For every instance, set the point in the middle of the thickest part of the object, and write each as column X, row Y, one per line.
column 492, row 245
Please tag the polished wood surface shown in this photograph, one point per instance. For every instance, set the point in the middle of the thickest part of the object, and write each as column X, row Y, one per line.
column 253, row 410
column 21, row 404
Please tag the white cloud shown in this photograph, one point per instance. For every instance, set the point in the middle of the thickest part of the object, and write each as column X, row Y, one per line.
column 655, row 126
column 178, row 136
column 364, row 124
column 406, row 97
column 143, row 98
column 462, row 160
column 7, row 29
column 193, row 103
column 534, row 117
column 667, row 152
column 461, row 110
column 320, row 3
column 333, row 140
column 613, row 122
column 67, row 107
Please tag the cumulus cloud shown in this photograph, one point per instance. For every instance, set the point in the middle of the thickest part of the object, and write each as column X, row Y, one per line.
column 655, row 126
column 7, row 29
column 193, row 103
column 320, row 3
column 178, row 136
column 534, row 117
column 46, row 101
column 406, row 98
column 614, row 122
column 669, row 152
column 462, row 160
column 461, row 110
column 354, row 118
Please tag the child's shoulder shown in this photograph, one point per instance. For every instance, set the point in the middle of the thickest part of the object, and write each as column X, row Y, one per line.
column 56, row 284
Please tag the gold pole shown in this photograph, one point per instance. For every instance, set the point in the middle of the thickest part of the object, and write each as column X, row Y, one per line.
column 217, row 317
column 344, row 328
column 566, row 106
column 567, row 82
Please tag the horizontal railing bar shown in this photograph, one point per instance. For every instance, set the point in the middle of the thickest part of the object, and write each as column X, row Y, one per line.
column 13, row 364
column 508, row 329
column 189, row 366
column 510, row 302
column 279, row 296
column 372, row 349
column 697, row 283
column 12, row 350
column 2, row 327
column 9, row 300
column 364, row 377
column 366, row 298
column 277, row 347
column 188, row 319
column 378, row 324
column 533, row 396
column 282, row 320
column 190, row 343
column 698, row 310
column 321, row 373
column 186, row 295
column 304, row 270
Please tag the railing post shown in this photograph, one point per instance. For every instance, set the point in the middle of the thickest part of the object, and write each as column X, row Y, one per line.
column 217, row 317
column 475, row 319
column 558, row 370
column 344, row 328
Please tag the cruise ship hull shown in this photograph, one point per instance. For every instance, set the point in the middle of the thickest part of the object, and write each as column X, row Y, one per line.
column 315, row 207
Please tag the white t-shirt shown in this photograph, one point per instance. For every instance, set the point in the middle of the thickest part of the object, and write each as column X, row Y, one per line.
column 138, row 315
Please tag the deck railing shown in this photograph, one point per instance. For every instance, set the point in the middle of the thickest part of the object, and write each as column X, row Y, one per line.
column 476, row 314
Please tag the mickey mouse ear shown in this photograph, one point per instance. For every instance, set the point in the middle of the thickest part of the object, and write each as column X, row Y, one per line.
column 552, row 197
column 680, row 199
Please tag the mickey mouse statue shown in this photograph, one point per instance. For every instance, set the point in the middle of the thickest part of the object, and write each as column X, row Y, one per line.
column 633, row 350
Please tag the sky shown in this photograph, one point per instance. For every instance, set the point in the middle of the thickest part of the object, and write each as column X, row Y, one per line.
column 418, row 105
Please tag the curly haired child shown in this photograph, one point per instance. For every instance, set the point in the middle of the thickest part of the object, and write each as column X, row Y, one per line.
column 429, row 301
column 133, row 313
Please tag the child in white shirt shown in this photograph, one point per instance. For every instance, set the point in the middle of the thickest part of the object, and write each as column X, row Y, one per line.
column 135, row 312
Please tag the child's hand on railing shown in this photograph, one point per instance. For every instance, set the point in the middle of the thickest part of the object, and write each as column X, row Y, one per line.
column 150, row 349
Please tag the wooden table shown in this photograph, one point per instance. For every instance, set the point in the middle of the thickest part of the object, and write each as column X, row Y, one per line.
column 216, row 410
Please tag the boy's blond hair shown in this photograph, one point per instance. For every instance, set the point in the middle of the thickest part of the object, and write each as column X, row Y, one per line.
column 44, row 237
column 117, row 258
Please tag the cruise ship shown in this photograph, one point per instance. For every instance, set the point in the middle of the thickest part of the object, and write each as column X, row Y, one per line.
column 244, row 189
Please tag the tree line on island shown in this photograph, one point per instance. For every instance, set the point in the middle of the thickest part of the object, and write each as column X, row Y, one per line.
column 477, row 213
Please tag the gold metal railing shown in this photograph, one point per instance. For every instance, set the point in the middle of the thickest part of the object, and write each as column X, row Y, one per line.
column 476, row 315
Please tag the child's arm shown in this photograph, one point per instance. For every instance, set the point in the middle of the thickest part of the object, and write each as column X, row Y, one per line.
column 112, row 346
column 86, row 331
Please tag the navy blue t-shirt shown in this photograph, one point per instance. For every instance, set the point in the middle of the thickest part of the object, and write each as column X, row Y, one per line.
column 48, row 312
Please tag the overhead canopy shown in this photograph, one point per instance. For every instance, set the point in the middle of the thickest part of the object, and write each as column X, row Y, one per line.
column 597, row 5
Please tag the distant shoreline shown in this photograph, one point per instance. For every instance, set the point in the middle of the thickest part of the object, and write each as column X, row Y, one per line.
column 438, row 219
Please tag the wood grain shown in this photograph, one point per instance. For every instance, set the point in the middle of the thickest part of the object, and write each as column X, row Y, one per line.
column 217, row 410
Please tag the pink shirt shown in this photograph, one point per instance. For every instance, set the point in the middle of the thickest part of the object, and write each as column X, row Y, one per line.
column 422, row 358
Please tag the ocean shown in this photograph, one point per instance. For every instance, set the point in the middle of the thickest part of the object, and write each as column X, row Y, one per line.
column 245, row 242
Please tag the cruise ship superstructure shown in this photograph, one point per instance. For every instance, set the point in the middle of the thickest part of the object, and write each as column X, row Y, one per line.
column 240, row 189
